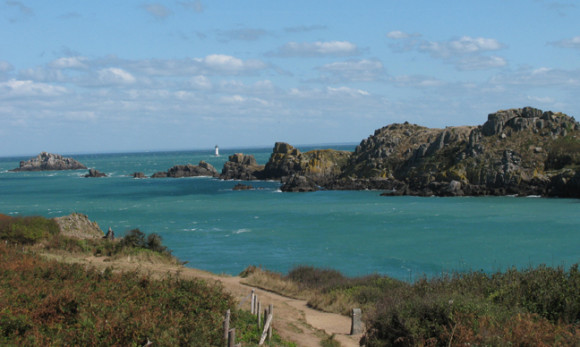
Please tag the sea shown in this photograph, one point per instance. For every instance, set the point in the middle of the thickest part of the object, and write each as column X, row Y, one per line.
column 212, row 227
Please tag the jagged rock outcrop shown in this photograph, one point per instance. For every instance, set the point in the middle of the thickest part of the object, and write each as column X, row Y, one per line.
column 242, row 167
column 179, row 171
column 48, row 161
column 79, row 226
column 139, row 175
column 319, row 166
column 517, row 151
column 299, row 183
column 95, row 173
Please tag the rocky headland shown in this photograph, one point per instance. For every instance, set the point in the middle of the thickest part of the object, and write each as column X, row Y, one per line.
column 515, row 152
column 47, row 162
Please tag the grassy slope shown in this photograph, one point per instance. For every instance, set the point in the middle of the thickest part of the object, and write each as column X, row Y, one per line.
column 533, row 307
column 44, row 302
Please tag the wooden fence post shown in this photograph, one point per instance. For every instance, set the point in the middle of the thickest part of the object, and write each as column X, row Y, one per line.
column 259, row 314
column 226, row 327
column 266, row 329
column 253, row 302
column 356, row 326
column 231, row 337
column 270, row 313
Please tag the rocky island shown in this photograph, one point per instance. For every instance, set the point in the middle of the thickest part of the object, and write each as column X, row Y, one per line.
column 522, row 151
column 179, row 171
column 47, row 162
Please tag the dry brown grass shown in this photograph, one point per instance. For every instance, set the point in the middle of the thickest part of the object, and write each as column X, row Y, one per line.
column 273, row 282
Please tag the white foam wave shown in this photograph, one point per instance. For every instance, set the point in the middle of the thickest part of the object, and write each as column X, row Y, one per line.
column 241, row 231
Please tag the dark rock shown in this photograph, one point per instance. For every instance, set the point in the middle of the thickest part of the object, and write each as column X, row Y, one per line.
column 110, row 234
column 242, row 167
column 320, row 166
column 159, row 174
column 240, row 186
column 48, row 161
column 179, row 171
column 95, row 173
column 139, row 175
column 297, row 183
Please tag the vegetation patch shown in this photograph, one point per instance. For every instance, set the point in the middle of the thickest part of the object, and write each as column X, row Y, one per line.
column 47, row 303
column 529, row 307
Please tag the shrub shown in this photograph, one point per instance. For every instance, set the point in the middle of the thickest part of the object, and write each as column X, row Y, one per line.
column 134, row 239
column 27, row 230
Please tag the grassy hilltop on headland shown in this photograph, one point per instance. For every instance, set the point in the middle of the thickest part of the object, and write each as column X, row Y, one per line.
column 50, row 303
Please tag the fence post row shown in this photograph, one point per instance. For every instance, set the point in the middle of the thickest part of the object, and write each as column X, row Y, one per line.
column 256, row 309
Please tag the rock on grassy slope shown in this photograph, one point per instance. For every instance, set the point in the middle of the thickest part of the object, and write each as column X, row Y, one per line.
column 79, row 226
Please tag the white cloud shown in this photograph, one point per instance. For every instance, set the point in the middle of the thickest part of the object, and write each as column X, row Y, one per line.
column 464, row 45
column 465, row 53
column 227, row 64
column 5, row 66
column 69, row 63
column 26, row 88
column 316, row 49
column 398, row 35
column 115, row 76
column 348, row 91
column 201, row 82
column 41, row 74
column 157, row 10
column 417, row 81
column 568, row 43
column 353, row 71
column 480, row 62
column 540, row 77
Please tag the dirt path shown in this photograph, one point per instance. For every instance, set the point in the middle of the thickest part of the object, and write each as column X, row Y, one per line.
column 293, row 320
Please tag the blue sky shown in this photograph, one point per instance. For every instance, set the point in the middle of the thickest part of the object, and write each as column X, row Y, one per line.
column 114, row 76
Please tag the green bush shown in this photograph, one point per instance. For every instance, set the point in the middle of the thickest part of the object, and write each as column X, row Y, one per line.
column 27, row 230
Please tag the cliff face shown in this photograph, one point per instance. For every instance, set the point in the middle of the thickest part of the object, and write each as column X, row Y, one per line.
column 321, row 165
column 298, row 171
column 242, row 167
column 48, row 161
column 517, row 151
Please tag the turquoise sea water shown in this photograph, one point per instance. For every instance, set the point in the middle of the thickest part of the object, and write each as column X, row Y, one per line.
column 214, row 228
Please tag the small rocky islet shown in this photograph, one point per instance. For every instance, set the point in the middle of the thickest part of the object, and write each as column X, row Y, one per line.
column 523, row 152
column 48, row 162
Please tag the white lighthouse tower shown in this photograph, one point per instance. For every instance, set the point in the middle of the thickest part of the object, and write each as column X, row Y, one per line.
column 217, row 151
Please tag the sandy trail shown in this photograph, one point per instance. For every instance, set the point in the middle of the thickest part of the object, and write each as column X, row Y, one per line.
column 293, row 320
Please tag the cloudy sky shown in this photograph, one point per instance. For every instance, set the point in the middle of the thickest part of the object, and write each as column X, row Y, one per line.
column 113, row 76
